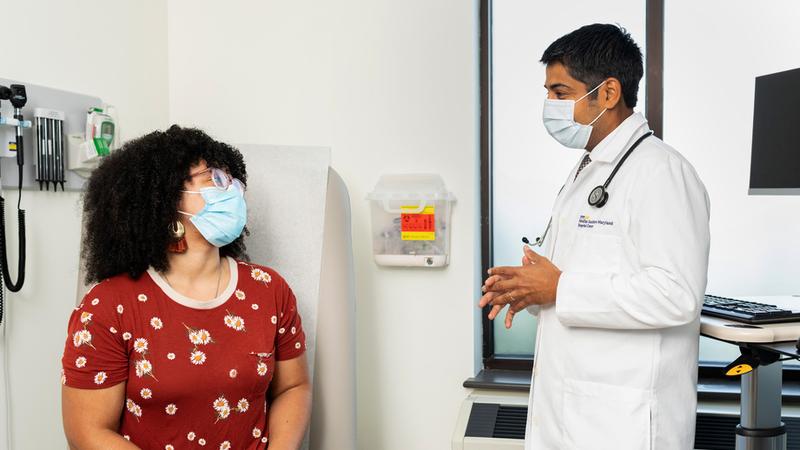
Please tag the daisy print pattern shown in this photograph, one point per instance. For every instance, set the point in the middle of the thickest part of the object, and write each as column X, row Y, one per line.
column 257, row 274
column 140, row 345
column 142, row 298
column 222, row 408
column 220, row 403
column 223, row 413
column 144, row 367
column 197, row 358
column 235, row 322
column 200, row 337
column 133, row 408
column 82, row 337
column 223, row 357
column 95, row 302
column 100, row 378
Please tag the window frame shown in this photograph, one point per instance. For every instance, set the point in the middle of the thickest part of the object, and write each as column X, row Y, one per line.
column 709, row 371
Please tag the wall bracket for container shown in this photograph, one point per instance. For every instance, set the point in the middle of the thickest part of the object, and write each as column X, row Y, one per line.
column 411, row 221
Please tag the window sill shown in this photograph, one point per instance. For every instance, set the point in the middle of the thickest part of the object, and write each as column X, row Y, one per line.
column 708, row 388
column 500, row 379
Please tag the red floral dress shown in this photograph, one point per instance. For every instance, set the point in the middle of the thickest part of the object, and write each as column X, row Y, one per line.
column 197, row 373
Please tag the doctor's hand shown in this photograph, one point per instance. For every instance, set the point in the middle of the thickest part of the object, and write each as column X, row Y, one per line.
column 534, row 283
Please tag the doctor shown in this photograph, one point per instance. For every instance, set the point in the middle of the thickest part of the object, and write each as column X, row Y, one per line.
column 619, row 293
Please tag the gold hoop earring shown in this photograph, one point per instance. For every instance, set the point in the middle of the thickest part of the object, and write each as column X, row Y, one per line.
column 178, row 233
column 177, row 229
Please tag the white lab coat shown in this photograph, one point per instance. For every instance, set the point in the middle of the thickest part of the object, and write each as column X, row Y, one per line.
column 615, row 363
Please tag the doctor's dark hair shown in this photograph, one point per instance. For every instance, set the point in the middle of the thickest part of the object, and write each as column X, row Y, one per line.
column 133, row 197
column 595, row 52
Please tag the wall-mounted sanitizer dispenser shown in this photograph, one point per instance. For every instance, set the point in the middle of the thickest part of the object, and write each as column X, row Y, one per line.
column 411, row 220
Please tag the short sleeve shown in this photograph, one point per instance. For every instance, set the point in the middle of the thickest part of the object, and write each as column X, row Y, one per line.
column 291, row 340
column 95, row 354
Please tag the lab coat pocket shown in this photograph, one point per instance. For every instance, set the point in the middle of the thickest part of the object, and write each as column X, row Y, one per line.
column 594, row 252
column 600, row 416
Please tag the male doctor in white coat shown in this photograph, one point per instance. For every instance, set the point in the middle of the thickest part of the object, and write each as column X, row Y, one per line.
column 620, row 289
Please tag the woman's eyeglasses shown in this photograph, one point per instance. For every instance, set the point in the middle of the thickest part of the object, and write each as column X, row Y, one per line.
column 220, row 178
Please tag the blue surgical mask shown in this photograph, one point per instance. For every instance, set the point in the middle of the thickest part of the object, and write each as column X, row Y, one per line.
column 222, row 219
column 559, row 120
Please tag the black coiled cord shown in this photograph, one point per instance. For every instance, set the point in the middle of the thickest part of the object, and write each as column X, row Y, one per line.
column 6, row 278
column 11, row 285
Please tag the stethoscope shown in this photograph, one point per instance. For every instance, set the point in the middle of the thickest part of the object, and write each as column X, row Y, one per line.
column 599, row 195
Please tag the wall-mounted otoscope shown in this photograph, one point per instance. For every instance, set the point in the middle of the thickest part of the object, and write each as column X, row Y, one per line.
column 18, row 100
column 18, row 97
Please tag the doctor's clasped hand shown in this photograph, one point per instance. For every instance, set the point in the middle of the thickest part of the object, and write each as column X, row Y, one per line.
column 535, row 282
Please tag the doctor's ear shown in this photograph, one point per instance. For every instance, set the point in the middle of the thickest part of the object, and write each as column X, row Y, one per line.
column 610, row 94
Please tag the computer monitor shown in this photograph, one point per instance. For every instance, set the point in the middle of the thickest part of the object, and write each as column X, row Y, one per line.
column 775, row 161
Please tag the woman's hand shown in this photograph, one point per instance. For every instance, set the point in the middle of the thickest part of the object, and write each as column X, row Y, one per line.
column 533, row 283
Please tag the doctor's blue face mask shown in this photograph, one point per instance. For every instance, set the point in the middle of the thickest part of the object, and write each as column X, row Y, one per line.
column 559, row 120
column 222, row 219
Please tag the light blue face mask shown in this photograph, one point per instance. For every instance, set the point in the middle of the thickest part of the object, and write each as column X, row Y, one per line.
column 559, row 120
column 223, row 218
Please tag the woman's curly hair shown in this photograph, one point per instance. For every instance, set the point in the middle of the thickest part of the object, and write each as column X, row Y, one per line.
column 132, row 198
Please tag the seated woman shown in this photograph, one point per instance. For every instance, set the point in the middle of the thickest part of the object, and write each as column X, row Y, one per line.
column 182, row 343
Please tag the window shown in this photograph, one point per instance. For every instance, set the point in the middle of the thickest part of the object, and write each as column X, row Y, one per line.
column 706, row 79
column 523, row 167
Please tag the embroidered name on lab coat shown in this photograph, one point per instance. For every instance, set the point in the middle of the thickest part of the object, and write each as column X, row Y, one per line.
column 587, row 222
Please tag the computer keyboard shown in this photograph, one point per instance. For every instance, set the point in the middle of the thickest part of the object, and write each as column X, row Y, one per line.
column 747, row 312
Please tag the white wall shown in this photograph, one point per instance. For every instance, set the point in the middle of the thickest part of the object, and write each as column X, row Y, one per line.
column 117, row 51
column 391, row 87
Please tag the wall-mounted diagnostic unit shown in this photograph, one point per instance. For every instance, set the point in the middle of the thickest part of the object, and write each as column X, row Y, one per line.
column 48, row 138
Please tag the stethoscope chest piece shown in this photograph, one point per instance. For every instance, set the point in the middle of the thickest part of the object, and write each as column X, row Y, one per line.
column 598, row 197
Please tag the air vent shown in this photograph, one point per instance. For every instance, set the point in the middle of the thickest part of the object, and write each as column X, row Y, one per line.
column 491, row 420
column 718, row 432
column 714, row 431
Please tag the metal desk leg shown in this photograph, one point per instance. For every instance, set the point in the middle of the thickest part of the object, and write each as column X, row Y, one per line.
column 760, row 426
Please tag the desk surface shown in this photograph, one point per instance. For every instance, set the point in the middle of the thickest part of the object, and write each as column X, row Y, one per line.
column 733, row 331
